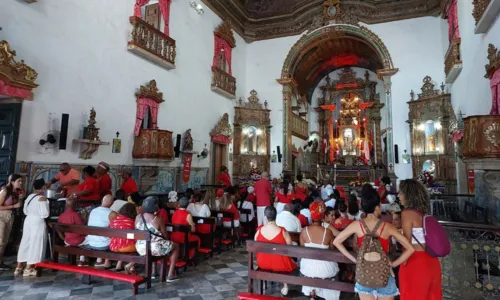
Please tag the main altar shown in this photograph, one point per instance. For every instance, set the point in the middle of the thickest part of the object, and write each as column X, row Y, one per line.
column 349, row 127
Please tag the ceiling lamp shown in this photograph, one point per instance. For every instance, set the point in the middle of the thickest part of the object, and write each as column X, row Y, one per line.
column 197, row 7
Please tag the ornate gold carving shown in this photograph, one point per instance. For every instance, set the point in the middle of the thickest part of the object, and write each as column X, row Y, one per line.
column 253, row 102
column 427, row 88
column 222, row 127
column 453, row 56
column 493, row 61
column 479, row 8
column 223, row 83
column 17, row 74
column 225, row 32
column 152, row 44
column 492, row 134
column 150, row 90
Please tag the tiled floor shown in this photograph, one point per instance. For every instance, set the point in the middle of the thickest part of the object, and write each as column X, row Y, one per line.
column 221, row 277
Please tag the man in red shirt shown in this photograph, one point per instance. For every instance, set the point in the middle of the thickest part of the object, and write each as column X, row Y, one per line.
column 103, row 178
column 128, row 184
column 89, row 188
column 263, row 192
column 71, row 217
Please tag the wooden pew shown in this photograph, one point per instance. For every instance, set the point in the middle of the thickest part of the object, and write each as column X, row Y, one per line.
column 221, row 229
column 294, row 251
column 75, row 252
column 184, row 258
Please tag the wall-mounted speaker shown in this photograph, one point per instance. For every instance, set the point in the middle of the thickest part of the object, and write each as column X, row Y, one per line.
column 279, row 153
column 63, row 136
column 177, row 148
column 396, row 154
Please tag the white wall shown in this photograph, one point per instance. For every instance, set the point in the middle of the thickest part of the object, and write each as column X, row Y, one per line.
column 471, row 92
column 415, row 46
column 79, row 49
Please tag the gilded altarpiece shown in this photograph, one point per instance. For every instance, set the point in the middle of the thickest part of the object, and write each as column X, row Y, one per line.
column 431, row 118
column 252, row 137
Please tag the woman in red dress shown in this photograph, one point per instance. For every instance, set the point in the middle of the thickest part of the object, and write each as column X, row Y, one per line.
column 128, row 185
column 224, row 177
column 272, row 233
column 300, row 189
column 182, row 217
column 228, row 204
column 284, row 196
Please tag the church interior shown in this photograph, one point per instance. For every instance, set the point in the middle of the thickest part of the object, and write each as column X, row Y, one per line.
column 173, row 92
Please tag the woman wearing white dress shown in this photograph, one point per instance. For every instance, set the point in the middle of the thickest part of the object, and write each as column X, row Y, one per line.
column 317, row 236
column 34, row 241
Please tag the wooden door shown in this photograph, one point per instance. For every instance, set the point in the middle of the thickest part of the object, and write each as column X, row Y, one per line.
column 10, row 117
column 219, row 159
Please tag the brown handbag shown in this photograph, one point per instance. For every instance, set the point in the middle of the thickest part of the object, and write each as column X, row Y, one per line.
column 373, row 267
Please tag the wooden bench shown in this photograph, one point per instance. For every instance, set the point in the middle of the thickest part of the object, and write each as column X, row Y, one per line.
column 73, row 252
column 184, row 258
column 221, row 229
column 247, row 228
column 299, row 252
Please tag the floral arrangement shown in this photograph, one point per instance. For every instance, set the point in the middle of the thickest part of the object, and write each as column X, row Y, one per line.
column 426, row 178
column 434, row 191
column 309, row 182
column 172, row 196
column 255, row 174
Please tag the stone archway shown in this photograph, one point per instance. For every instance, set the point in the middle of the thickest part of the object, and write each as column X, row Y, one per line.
column 299, row 51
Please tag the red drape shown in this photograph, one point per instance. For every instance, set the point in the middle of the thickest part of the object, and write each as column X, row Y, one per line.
column 142, row 108
column 137, row 7
column 453, row 31
column 165, row 12
column 12, row 91
column 186, row 170
column 220, row 44
column 495, row 93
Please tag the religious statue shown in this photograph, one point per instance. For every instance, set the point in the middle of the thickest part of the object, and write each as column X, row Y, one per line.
column 188, row 141
column 315, row 146
column 91, row 132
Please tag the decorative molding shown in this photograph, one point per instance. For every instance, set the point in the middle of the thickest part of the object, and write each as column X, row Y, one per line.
column 485, row 13
column 151, row 91
column 222, row 128
column 258, row 20
column 493, row 61
column 453, row 61
column 253, row 102
column 13, row 73
column 88, row 147
column 225, row 32
column 223, row 83
column 151, row 44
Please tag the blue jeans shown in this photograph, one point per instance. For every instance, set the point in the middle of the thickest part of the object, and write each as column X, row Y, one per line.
column 389, row 290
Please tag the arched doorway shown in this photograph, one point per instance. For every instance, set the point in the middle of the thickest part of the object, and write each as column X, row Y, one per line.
column 324, row 50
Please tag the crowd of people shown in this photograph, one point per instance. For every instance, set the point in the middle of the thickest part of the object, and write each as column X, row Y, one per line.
column 325, row 217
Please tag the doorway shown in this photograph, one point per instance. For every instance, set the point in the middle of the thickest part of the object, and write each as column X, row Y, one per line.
column 219, row 159
column 10, row 118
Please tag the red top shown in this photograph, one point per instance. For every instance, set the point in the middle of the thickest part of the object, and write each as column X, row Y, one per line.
column 304, row 222
column 382, row 192
column 71, row 217
column 273, row 262
column 341, row 223
column 263, row 192
column 129, row 186
column 225, row 179
column 232, row 209
column 300, row 193
column 90, row 184
column 285, row 199
column 105, row 185
column 251, row 198
column 383, row 242
column 163, row 214
column 179, row 218
column 121, row 222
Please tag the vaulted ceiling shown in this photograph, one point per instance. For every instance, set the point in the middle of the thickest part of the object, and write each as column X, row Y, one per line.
column 265, row 19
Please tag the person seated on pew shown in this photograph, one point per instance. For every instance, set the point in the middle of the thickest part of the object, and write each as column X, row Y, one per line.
column 318, row 236
column 228, row 204
column 288, row 220
column 353, row 211
column 300, row 188
column 124, row 220
column 251, row 195
column 120, row 197
column 333, row 198
column 199, row 208
column 182, row 217
column 245, row 203
column 305, row 209
column 274, row 234
column 285, row 195
column 71, row 217
column 296, row 208
column 100, row 217
column 160, row 245
column 342, row 221
column 213, row 200
column 189, row 193
column 329, row 219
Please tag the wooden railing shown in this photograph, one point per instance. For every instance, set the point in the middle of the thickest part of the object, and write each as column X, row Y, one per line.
column 223, row 83
column 300, row 127
column 151, row 44
column 479, row 8
column 453, row 56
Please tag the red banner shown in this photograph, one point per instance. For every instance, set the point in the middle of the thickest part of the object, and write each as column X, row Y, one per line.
column 186, row 171
column 470, row 180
